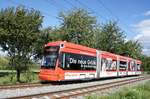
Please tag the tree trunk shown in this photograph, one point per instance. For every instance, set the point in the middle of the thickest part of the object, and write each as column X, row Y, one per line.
column 18, row 75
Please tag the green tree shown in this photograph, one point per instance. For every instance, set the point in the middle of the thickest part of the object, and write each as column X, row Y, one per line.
column 132, row 49
column 145, row 63
column 43, row 38
column 48, row 34
column 19, row 30
column 78, row 26
column 109, row 38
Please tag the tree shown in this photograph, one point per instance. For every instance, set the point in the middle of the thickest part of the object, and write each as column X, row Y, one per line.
column 145, row 63
column 19, row 30
column 109, row 38
column 78, row 26
column 43, row 38
column 132, row 49
column 48, row 34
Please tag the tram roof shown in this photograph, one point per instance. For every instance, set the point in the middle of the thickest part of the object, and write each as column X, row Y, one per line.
column 72, row 46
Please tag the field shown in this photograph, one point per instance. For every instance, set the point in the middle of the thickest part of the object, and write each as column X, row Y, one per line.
column 138, row 92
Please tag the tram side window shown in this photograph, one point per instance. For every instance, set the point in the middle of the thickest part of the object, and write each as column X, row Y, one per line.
column 71, row 61
column 108, row 64
column 138, row 66
column 123, row 65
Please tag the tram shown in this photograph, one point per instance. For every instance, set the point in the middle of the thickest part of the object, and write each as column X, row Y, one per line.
column 64, row 61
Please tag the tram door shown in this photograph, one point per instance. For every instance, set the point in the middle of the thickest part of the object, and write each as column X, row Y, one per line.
column 98, row 68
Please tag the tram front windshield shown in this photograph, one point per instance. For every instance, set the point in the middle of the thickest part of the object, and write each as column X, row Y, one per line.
column 50, row 57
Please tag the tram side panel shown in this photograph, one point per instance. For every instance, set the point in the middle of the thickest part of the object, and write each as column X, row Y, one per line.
column 78, row 66
column 122, row 68
column 108, row 65
column 138, row 64
column 132, row 68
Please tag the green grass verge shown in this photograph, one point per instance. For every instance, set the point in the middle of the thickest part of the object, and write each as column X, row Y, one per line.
column 138, row 92
column 10, row 78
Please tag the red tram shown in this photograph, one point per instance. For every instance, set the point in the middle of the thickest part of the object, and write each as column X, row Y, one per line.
column 67, row 61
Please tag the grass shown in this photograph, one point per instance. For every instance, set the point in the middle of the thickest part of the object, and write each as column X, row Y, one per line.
column 10, row 78
column 138, row 92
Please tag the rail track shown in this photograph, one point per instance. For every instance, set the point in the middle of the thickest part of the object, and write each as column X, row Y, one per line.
column 26, row 85
column 37, row 84
column 65, row 94
column 20, row 86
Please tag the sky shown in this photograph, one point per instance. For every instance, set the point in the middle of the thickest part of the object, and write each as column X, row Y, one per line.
column 133, row 16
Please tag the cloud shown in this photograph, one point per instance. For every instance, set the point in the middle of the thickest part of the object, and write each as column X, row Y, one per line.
column 146, row 51
column 143, row 27
column 147, row 13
